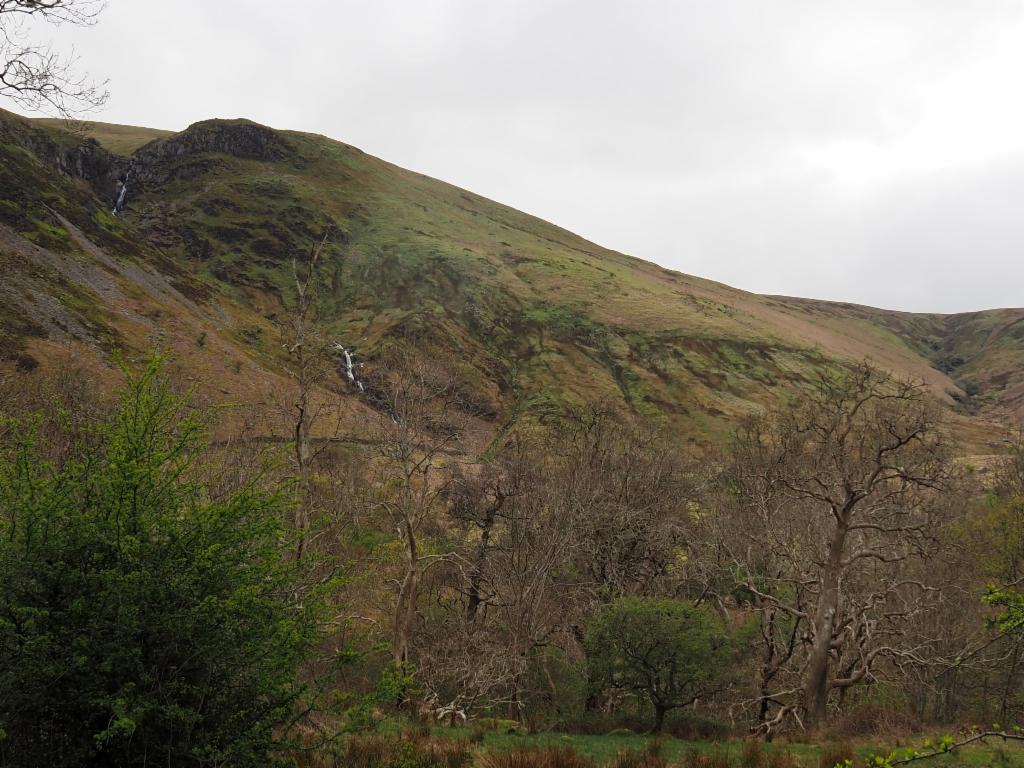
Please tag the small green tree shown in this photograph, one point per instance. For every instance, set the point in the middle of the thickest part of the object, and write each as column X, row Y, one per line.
column 669, row 651
column 141, row 620
column 1011, row 602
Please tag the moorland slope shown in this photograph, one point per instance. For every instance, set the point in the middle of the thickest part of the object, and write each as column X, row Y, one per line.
column 530, row 317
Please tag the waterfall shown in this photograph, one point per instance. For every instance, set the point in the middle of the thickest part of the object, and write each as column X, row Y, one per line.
column 350, row 366
column 122, row 193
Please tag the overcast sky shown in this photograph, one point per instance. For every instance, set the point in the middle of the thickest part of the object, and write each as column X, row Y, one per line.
column 850, row 150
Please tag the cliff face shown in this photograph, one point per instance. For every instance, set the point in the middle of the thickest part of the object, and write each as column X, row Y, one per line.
column 530, row 317
column 184, row 155
column 65, row 154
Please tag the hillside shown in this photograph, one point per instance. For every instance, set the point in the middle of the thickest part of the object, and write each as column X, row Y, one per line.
column 531, row 317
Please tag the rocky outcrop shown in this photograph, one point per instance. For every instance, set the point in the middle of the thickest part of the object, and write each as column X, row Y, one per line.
column 184, row 155
column 238, row 138
column 85, row 160
column 187, row 154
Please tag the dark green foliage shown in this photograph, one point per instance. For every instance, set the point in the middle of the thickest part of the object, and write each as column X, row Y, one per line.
column 142, row 621
column 1011, row 604
column 668, row 651
column 392, row 683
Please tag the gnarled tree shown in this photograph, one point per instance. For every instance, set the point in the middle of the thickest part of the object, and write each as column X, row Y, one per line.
column 834, row 509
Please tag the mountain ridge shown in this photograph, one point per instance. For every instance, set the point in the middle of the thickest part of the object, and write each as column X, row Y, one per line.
column 532, row 317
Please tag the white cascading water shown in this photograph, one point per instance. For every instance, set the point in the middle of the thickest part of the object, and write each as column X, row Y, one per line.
column 122, row 194
column 350, row 371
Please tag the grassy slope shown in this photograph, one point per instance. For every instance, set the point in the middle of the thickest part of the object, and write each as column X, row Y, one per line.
column 120, row 139
column 530, row 315
column 982, row 352
column 81, row 287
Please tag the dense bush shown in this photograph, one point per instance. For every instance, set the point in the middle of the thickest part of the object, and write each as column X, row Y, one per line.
column 141, row 620
column 668, row 651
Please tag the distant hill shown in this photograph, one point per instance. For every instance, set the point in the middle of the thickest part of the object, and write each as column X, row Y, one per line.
column 530, row 316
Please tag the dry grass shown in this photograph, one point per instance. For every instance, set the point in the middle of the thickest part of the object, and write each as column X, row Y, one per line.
column 544, row 757
column 782, row 758
column 714, row 759
column 651, row 756
column 873, row 720
column 411, row 750
column 753, row 755
column 833, row 755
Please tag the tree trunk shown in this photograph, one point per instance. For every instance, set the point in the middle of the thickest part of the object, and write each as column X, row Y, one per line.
column 659, row 718
column 1008, row 687
column 405, row 608
column 302, row 457
column 816, row 679
column 767, row 668
column 477, row 574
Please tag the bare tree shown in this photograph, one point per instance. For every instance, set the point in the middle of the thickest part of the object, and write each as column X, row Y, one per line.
column 310, row 364
column 420, row 425
column 32, row 75
column 627, row 481
column 464, row 669
column 478, row 498
column 555, row 525
column 834, row 506
column 535, row 593
column 465, row 663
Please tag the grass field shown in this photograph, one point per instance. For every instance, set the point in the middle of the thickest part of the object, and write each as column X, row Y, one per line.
column 603, row 748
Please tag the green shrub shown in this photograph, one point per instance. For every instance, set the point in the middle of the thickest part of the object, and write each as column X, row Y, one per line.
column 141, row 619
column 668, row 651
